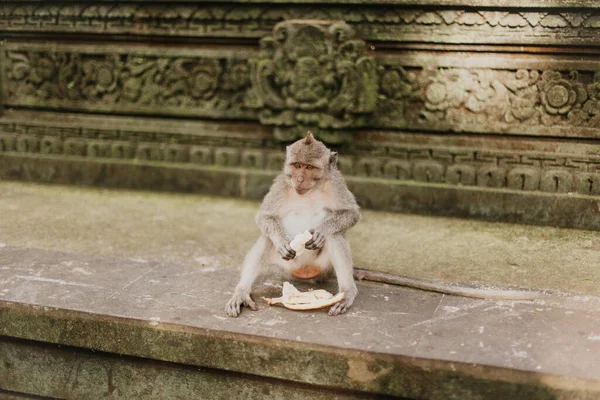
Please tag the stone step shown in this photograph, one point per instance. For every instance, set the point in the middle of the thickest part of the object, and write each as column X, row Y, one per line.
column 197, row 230
column 121, row 294
column 75, row 326
column 77, row 373
column 241, row 159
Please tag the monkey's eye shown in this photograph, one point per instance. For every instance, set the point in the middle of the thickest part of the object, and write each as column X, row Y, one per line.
column 297, row 165
column 309, row 167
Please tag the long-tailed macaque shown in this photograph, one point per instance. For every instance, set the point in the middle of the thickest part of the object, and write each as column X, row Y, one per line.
column 309, row 194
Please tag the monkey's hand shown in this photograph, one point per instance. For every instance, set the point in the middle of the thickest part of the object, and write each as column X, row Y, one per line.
column 344, row 305
column 239, row 299
column 317, row 241
column 286, row 252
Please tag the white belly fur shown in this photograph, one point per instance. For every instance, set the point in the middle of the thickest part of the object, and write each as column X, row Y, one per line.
column 303, row 213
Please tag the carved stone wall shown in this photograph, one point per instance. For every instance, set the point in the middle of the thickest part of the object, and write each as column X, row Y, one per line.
column 435, row 106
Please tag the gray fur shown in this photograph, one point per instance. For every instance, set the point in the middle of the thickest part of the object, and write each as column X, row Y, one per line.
column 308, row 150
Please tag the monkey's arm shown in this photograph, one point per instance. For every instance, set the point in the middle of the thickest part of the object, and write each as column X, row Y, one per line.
column 256, row 257
column 271, row 228
column 269, row 222
column 338, row 220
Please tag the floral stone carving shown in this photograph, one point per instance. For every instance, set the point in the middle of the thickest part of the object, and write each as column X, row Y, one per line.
column 313, row 73
column 490, row 100
column 111, row 81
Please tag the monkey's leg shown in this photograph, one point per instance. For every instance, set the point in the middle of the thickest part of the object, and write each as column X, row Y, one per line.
column 252, row 262
column 339, row 253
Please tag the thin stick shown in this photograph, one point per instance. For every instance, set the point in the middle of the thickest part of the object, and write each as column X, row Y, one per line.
column 439, row 287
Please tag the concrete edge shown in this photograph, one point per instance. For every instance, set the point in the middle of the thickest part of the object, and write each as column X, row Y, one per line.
column 319, row 365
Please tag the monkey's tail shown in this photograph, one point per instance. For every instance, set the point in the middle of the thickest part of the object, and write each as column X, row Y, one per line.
column 445, row 288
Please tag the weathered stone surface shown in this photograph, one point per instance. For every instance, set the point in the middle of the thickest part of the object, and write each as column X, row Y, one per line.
column 150, row 280
column 70, row 373
column 320, row 90
column 313, row 73
column 405, row 22
column 504, row 178
column 564, row 210
column 488, row 204
column 394, row 341
column 428, row 119
column 17, row 396
column 487, row 95
column 197, row 230
column 146, row 176
column 481, row 3
column 168, row 81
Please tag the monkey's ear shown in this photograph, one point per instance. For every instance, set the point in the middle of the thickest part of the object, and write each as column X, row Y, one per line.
column 333, row 157
column 309, row 138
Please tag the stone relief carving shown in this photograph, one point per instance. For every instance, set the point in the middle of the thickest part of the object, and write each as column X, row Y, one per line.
column 256, row 20
column 126, row 81
column 313, row 73
column 510, row 19
column 486, row 99
column 332, row 84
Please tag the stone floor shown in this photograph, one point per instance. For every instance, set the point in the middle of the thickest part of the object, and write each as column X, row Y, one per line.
column 169, row 258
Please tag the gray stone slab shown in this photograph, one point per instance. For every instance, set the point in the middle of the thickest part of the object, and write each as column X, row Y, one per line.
column 60, row 279
column 520, row 335
column 529, row 336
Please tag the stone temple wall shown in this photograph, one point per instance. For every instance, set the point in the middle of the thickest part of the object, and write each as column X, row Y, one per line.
column 485, row 109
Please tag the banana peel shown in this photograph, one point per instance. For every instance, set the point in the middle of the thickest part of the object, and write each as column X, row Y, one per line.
column 294, row 299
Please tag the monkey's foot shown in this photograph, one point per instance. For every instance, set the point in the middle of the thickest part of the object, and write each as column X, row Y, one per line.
column 307, row 272
column 239, row 299
column 341, row 307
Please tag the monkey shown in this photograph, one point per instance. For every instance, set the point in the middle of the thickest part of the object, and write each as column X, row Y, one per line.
column 310, row 193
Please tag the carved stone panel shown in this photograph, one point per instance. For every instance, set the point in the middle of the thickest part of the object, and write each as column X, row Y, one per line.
column 553, row 101
column 372, row 22
column 126, row 80
column 334, row 85
column 313, row 73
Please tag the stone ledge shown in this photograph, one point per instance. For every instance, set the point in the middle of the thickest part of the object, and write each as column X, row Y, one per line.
column 531, row 207
column 406, row 23
column 48, row 370
column 449, row 3
column 173, row 313
column 281, row 359
column 152, row 277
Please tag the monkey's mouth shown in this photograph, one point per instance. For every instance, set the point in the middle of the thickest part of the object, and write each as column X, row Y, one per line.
column 301, row 191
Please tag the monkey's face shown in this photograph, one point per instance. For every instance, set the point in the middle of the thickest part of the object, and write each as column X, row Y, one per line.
column 304, row 177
